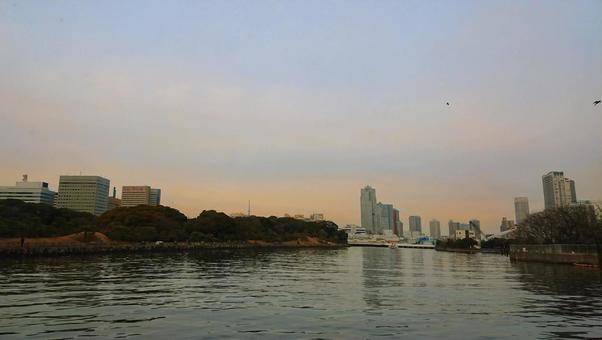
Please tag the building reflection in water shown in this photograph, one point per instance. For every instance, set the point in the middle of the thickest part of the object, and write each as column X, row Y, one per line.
column 568, row 295
column 383, row 271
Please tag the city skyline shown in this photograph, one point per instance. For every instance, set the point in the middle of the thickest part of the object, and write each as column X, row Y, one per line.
column 230, row 102
column 153, row 197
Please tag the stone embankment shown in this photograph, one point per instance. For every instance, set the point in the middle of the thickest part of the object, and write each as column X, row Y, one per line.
column 555, row 253
column 96, row 243
column 458, row 250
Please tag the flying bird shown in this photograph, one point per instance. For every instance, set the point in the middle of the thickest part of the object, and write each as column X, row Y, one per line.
column 597, row 102
column 447, row 103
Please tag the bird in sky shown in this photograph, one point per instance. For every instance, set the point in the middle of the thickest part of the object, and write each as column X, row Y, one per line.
column 447, row 103
column 597, row 102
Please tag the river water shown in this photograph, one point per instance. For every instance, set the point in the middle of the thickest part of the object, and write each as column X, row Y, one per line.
column 351, row 293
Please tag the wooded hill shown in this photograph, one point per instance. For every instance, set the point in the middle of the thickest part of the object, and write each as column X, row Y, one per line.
column 145, row 223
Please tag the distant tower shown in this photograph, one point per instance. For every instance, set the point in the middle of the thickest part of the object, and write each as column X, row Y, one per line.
column 504, row 225
column 25, row 178
column 415, row 224
column 249, row 208
column 114, row 192
column 435, row 229
column 521, row 209
column 385, row 218
column 369, row 209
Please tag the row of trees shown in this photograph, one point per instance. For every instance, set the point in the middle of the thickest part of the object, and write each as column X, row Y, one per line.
column 581, row 224
column 145, row 223
column 20, row 219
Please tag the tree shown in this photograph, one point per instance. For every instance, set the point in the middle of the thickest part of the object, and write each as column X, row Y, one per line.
column 575, row 224
column 143, row 223
column 580, row 224
column 20, row 219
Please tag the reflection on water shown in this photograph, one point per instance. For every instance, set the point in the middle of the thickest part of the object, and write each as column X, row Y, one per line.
column 352, row 293
column 572, row 295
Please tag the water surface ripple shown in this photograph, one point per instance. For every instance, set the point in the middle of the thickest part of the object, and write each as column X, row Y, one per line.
column 353, row 293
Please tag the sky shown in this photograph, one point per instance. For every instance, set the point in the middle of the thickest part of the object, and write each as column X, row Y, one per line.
column 297, row 105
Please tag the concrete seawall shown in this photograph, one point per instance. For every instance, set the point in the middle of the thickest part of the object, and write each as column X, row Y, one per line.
column 555, row 253
column 151, row 247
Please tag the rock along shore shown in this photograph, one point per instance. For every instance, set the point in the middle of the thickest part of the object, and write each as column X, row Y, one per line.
column 139, row 247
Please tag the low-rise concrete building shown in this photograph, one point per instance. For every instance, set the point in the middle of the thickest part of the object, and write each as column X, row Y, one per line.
column 133, row 195
column 30, row 192
column 113, row 203
column 462, row 234
column 155, row 197
column 316, row 217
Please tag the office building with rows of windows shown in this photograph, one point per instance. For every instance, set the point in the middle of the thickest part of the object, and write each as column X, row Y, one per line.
column 83, row 193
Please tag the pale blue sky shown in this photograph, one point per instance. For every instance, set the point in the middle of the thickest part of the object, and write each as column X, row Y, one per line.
column 298, row 104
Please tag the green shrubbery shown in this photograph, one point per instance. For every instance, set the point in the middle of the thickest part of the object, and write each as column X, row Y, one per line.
column 145, row 223
column 18, row 218
column 212, row 225
column 465, row 243
column 495, row 243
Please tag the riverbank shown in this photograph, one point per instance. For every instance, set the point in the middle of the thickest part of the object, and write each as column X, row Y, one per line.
column 97, row 243
column 575, row 254
column 459, row 250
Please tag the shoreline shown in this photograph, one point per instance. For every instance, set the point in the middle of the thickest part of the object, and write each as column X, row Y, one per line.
column 459, row 250
column 137, row 247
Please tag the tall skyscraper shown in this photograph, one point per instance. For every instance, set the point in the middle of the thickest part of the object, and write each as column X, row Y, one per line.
column 386, row 219
column 134, row 195
column 369, row 213
column 521, row 209
column 415, row 224
column 83, row 193
column 435, row 229
column 30, row 192
column 155, row 197
column 558, row 191
column 398, row 227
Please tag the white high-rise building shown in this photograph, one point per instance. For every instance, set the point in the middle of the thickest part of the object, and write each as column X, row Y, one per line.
column 558, row 191
column 369, row 210
column 435, row 229
column 30, row 192
column 521, row 209
column 83, row 193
